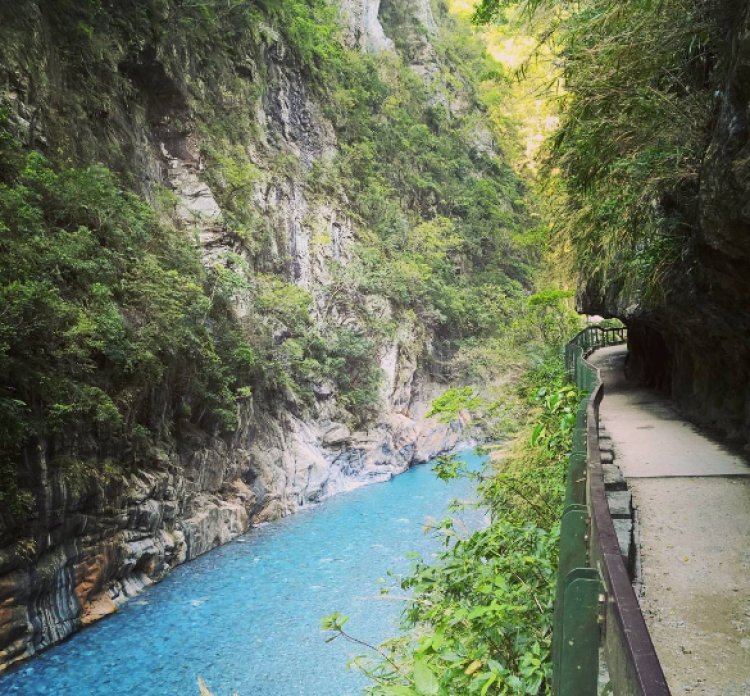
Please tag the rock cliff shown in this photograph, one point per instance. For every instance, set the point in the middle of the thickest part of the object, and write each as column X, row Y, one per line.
column 92, row 542
column 691, row 339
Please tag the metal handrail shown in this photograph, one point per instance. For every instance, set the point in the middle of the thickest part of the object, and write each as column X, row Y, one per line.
column 633, row 665
column 590, row 338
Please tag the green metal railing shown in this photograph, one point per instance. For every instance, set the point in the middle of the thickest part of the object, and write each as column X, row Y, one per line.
column 595, row 605
column 579, row 372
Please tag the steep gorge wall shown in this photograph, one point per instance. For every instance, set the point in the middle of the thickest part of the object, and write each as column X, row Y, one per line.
column 691, row 340
column 90, row 544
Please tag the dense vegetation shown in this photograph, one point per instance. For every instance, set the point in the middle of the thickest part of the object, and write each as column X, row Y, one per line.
column 479, row 617
column 102, row 305
column 622, row 169
column 446, row 217
column 118, row 336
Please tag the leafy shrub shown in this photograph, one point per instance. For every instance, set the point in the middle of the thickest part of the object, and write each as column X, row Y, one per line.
column 106, row 322
column 479, row 620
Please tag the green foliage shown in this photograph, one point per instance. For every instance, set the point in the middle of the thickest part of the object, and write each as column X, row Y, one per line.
column 312, row 29
column 449, row 406
column 534, row 334
column 233, row 177
column 445, row 240
column 292, row 354
column 106, row 321
column 487, row 11
column 552, row 317
column 351, row 364
column 449, row 466
column 623, row 165
column 479, row 618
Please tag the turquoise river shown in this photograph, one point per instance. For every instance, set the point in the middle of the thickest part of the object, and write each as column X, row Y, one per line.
column 246, row 616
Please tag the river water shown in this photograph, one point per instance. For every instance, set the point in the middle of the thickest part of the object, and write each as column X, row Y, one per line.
column 246, row 616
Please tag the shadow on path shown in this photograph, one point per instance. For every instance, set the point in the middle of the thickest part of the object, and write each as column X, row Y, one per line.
column 692, row 500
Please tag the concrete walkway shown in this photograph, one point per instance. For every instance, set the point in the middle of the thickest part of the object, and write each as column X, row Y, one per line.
column 692, row 500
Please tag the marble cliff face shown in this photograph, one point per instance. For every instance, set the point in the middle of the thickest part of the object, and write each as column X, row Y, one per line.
column 95, row 545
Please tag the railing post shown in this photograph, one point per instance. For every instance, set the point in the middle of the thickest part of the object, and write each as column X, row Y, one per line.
column 573, row 554
column 575, row 480
column 579, row 656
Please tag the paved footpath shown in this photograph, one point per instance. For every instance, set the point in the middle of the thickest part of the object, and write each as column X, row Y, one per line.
column 692, row 500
